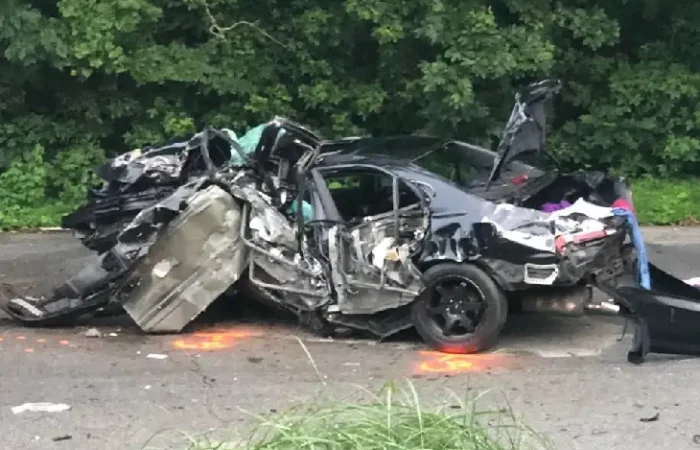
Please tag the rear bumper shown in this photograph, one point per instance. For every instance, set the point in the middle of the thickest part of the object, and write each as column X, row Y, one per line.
column 667, row 316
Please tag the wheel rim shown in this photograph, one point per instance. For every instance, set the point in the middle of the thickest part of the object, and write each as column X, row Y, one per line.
column 455, row 307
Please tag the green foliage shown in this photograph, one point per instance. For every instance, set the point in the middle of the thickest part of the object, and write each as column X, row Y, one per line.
column 397, row 419
column 85, row 79
column 667, row 202
column 36, row 193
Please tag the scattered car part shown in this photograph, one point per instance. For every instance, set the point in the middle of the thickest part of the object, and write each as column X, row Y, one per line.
column 198, row 257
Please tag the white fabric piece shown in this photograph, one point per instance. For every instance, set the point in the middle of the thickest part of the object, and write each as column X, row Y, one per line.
column 533, row 228
column 581, row 206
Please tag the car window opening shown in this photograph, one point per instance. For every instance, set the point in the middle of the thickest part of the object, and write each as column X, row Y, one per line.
column 359, row 194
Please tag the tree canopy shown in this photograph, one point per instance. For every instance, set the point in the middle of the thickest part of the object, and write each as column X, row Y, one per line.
column 84, row 79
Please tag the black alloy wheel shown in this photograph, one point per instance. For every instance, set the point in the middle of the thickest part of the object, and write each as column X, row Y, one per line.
column 462, row 309
column 456, row 306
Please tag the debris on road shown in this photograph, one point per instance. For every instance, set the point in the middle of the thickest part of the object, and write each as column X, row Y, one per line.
column 653, row 418
column 40, row 407
column 93, row 333
column 156, row 356
column 371, row 234
column 65, row 437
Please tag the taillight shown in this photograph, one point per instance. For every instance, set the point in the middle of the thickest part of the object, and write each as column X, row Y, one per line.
column 563, row 240
column 519, row 179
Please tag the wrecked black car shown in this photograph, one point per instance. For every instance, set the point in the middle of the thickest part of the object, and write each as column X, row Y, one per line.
column 373, row 234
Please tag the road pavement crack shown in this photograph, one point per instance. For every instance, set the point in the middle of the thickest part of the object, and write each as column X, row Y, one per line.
column 209, row 383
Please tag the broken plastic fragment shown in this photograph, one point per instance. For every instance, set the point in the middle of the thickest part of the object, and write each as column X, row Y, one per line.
column 653, row 418
column 40, row 407
column 380, row 253
column 65, row 437
column 156, row 356
column 162, row 268
column 93, row 333
column 695, row 281
column 256, row 223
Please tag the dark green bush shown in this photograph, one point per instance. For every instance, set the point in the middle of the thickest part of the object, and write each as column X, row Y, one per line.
column 77, row 76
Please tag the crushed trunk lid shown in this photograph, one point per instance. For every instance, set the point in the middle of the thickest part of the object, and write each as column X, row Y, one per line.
column 525, row 130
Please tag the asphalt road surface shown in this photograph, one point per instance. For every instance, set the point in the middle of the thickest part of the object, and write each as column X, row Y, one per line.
column 568, row 378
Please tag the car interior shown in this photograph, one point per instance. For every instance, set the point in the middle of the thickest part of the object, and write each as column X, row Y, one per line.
column 366, row 192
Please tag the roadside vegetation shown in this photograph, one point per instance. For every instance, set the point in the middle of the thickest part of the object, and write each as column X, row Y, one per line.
column 667, row 202
column 82, row 80
column 395, row 419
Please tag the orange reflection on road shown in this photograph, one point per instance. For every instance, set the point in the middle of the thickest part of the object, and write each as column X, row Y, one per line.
column 447, row 363
column 213, row 340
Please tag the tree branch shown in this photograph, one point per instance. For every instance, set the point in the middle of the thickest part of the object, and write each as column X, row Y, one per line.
column 220, row 32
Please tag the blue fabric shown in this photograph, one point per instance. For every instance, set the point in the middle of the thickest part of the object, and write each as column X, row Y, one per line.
column 638, row 241
column 250, row 140
column 236, row 158
column 307, row 211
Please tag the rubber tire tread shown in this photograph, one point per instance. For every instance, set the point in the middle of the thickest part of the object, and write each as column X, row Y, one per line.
column 487, row 332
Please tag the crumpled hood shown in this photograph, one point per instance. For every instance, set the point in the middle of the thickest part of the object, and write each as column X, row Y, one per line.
column 526, row 127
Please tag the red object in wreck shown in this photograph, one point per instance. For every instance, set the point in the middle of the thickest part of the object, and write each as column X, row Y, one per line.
column 519, row 179
column 621, row 203
column 579, row 238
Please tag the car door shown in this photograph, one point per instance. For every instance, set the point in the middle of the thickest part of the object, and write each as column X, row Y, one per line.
column 383, row 219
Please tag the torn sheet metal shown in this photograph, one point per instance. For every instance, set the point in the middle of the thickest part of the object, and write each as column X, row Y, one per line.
column 539, row 230
column 139, row 179
column 372, row 270
column 158, row 183
column 92, row 287
column 526, row 127
column 280, row 264
column 199, row 256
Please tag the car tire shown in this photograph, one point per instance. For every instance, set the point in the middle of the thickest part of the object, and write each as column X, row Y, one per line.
column 472, row 284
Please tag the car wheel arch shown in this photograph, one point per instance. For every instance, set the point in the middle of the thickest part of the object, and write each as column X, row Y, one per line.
column 499, row 279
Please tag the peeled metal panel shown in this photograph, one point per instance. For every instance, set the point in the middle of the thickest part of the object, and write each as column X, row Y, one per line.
column 199, row 256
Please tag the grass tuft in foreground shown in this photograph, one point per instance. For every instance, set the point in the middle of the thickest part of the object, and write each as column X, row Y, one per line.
column 392, row 421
